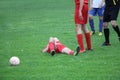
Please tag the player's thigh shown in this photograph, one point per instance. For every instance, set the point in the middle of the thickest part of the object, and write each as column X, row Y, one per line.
column 100, row 12
column 92, row 12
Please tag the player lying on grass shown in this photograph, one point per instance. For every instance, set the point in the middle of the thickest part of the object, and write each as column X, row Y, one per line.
column 55, row 46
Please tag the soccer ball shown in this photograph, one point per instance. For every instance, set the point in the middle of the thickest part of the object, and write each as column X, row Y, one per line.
column 14, row 61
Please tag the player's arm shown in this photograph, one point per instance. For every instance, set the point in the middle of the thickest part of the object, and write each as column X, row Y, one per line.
column 91, row 3
column 80, row 9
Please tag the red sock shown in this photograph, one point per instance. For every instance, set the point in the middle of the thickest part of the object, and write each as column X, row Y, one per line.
column 51, row 46
column 80, row 41
column 88, row 40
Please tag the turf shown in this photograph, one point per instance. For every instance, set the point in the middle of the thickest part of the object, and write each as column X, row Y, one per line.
column 25, row 27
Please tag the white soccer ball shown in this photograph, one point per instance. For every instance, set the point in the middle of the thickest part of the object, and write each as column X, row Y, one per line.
column 14, row 61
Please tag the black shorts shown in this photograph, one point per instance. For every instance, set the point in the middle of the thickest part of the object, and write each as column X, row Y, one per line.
column 110, row 13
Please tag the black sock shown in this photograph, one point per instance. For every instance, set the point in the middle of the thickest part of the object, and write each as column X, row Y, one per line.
column 117, row 30
column 106, row 35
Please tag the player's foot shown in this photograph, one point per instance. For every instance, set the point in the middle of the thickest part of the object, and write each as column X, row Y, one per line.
column 100, row 34
column 89, row 49
column 77, row 51
column 52, row 53
column 106, row 44
column 82, row 51
column 92, row 32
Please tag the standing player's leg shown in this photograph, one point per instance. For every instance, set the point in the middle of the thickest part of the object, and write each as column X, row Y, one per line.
column 100, row 14
column 106, row 20
column 85, row 29
column 92, row 12
column 100, row 25
column 87, row 37
column 114, row 15
column 106, row 34
column 116, row 28
column 80, row 37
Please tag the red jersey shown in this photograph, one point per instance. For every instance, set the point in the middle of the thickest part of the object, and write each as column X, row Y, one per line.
column 78, row 1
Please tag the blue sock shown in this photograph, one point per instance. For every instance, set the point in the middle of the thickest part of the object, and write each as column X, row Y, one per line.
column 100, row 25
column 91, row 22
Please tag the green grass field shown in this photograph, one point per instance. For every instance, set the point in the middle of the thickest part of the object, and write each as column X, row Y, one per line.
column 25, row 27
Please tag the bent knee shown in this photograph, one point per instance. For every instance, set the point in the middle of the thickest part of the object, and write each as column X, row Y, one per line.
column 113, row 23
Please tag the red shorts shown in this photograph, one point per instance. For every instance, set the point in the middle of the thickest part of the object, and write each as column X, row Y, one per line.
column 84, row 14
column 59, row 47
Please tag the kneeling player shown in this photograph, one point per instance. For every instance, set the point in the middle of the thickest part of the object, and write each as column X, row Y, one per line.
column 55, row 46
